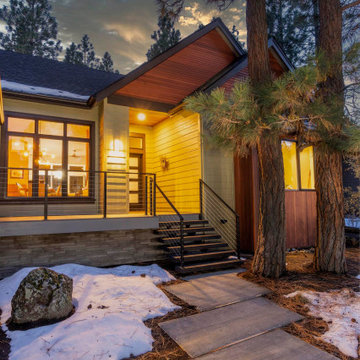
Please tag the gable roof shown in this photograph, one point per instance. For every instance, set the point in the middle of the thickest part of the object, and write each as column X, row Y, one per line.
column 176, row 73
column 29, row 75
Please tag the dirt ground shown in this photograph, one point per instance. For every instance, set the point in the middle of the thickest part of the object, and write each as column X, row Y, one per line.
column 300, row 276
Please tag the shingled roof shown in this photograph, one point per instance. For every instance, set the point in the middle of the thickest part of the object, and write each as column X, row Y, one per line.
column 51, row 79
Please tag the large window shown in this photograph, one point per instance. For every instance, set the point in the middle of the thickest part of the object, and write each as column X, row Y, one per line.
column 298, row 166
column 38, row 147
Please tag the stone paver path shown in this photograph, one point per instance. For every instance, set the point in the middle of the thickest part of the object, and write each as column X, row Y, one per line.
column 209, row 292
column 236, row 322
column 201, row 333
column 273, row 345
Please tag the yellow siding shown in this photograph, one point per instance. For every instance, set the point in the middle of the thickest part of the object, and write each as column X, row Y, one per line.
column 177, row 139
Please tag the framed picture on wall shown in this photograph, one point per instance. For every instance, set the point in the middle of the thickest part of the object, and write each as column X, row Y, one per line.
column 16, row 174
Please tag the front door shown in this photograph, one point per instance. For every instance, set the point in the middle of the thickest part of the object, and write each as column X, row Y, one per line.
column 136, row 169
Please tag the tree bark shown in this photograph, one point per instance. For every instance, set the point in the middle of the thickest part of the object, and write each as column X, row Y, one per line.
column 257, row 41
column 269, row 258
column 330, row 243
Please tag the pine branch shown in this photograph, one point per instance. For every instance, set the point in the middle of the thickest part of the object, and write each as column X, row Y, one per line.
column 350, row 5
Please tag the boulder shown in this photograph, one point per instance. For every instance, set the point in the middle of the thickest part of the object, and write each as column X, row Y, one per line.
column 43, row 296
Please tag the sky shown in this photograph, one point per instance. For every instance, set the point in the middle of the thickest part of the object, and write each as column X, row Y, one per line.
column 123, row 27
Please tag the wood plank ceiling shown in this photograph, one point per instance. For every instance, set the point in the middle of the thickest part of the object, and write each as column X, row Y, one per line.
column 182, row 73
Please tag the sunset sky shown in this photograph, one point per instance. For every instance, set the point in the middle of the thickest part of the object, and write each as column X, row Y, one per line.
column 123, row 27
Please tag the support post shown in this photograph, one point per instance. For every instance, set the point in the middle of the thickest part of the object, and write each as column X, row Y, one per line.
column 154, row 194
column 201, row 199
column 182, row 242
column 146, row 195
column 46, row 195
column 105, row 194
column 238, row 236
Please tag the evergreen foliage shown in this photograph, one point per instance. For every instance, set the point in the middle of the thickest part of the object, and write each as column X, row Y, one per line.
column 165, row 37
column 84, row 54
column 30, row 28
column 284, row 106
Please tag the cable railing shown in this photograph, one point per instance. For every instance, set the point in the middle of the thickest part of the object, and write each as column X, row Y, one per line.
column 220, row 215
column 48, row 193
column 172, row 228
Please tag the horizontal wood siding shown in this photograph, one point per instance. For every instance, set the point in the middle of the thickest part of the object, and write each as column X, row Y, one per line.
column 300, row 207
column 177, row 139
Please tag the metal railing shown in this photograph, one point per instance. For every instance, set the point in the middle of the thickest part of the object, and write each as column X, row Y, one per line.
column 173, row 226
column 220, row 215
column 43, row 192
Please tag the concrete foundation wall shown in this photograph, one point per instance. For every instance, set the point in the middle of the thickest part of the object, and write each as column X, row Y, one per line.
column 103, row 248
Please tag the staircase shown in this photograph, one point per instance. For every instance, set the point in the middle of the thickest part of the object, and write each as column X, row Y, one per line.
column 203, row 247
column 204, row 244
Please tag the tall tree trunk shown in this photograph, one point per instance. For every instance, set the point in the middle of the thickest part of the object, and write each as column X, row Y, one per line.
column 269, row 259
column 330, row 243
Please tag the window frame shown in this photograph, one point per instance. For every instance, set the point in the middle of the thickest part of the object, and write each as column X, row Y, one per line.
column 37, row 136
column 298, row 166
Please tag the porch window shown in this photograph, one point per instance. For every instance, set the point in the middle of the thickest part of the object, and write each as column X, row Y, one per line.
column 39, row 146
column 298, row 166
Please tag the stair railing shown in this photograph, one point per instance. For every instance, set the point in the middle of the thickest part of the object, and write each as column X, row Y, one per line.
column 220, row 215
column 172, row 222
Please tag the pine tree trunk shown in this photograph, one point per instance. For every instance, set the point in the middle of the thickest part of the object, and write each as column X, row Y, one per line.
column 269, row 258
column 330, row 243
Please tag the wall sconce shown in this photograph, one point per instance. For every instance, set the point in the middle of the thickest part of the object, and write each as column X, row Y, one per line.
column 164, row 163
column 116, row 154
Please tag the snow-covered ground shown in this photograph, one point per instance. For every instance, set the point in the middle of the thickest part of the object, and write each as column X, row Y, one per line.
column 341, row 310
column 111, row 305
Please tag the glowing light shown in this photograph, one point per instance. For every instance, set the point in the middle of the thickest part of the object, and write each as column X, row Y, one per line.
column 26, row 154
column 53, row 156
column 119, row 145
column 141, row 116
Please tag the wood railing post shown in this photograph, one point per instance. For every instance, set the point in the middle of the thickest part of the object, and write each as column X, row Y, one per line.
column 182, row 242
column 146, row 195
column 238, row 236
column 154, row 194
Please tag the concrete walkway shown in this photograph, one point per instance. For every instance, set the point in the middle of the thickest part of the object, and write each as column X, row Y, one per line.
column 236, row 322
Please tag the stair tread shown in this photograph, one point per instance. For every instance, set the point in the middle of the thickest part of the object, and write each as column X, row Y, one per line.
column 196, row 246
column 194, row 229
column 220, row 252
column 193, row 237
column 208, row 265
column 186, row 222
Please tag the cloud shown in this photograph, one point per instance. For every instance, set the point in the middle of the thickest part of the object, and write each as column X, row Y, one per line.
column 124, row 27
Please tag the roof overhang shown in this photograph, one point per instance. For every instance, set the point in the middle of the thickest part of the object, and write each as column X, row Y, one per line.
column 162, row 83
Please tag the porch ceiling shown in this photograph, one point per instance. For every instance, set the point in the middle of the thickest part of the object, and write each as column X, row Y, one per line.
column 151, row 117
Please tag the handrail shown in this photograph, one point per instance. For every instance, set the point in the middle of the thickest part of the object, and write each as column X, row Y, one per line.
column 202, row 184
column 170, row 203
column 219, row 198
column 181, row 218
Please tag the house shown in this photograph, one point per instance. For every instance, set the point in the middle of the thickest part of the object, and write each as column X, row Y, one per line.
column 92, row 162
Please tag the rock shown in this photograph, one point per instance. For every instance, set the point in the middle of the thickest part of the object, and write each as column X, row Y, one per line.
column 43, row 296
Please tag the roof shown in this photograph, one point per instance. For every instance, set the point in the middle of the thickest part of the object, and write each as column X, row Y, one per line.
column 50, row 79
column 185, row 67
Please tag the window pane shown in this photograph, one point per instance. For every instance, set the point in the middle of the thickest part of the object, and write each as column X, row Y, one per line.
column 51, row 128
column 136, row 143
column 50, row 157
column 307, row 168
column 20, row 155
column 79, row 131
column 290, row 168
column 21, row 125
column 78, row 160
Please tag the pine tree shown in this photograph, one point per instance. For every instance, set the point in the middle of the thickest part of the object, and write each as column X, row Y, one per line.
column 72, row 55
column 165, row 37
column 86, row 49
column 106, row 63
column 30, row 28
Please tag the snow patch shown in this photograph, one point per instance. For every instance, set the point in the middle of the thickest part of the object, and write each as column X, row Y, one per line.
column 111, row 305
column 38, row 90
column 341, row 310
column 358, row 276
column 352, row 222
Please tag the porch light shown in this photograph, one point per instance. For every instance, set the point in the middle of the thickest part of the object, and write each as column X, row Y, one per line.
column 141, row 116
